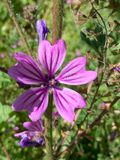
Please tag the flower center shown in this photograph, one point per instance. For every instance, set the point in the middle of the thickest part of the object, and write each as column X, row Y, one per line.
column 52, row 82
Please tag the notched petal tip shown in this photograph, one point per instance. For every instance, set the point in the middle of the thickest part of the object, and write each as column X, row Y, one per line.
column 52, row 56
column 66, row 101
column 61, row 42
column 94, row 75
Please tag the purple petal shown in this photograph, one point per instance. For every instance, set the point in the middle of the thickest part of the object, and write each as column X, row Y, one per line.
column 38, row 111
column 42, row 29
column 21, row 134
column 29, row 139
column 69, row 1
column 26, row 142
column 35, row 101
column 26, row 70
column 52, row 57
column 66, row 100
column 33, row 126
column 75, row 73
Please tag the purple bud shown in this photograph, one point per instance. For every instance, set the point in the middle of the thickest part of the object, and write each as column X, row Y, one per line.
column 42, row 29
column 16, row 128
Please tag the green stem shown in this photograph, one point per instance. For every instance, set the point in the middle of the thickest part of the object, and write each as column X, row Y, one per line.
column 48, row 131
column 57, row 11
column 5, row 151
column 19, row 30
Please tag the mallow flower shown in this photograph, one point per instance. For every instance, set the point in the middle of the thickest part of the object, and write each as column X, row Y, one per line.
column 41, row 75
column 32, row 136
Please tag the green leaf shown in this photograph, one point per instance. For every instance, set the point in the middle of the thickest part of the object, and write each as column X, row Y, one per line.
column 5, row 110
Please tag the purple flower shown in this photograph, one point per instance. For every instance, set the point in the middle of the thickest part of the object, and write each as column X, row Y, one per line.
column 2, row 55
column 117, row 68
column 42, row 75
column 42, row 29
column 32, row 136
column 69, row 1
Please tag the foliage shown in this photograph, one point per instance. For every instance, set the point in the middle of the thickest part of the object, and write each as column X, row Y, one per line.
column 92, row 30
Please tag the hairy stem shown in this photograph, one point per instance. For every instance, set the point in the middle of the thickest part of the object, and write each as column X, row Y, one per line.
column 57, row 12
column 19, row 30
column 48, row 131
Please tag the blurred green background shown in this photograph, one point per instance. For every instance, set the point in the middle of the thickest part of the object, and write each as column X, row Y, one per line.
column 93, row 31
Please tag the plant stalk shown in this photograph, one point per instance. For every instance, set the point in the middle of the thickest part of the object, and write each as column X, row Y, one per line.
column 19, row 30
column 48, row 131
column 57, row 12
